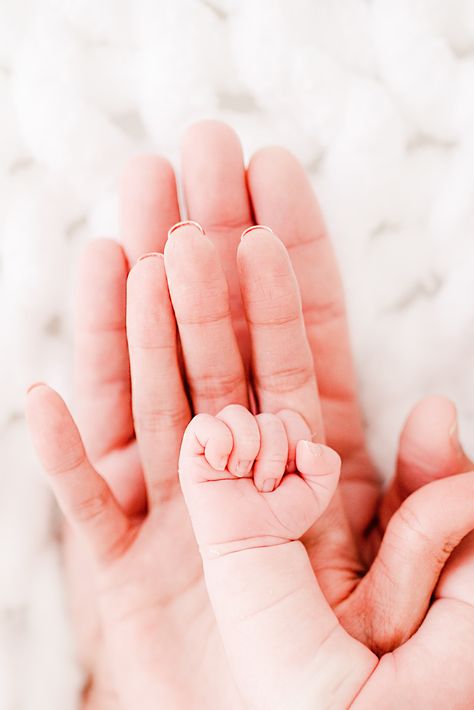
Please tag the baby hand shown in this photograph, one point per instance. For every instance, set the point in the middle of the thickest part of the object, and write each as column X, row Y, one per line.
column 253, row 481
column 253, row 486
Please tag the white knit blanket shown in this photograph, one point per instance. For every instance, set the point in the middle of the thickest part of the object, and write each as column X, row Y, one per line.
column 375, row 97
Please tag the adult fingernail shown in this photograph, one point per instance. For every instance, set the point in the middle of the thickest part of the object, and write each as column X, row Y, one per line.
column 34, row 385
column 150, row 254
column 253, row 227
column 268, row 485
column 243, row 468
column 185, row 223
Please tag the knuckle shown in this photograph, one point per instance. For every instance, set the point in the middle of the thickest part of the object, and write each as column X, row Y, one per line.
column 247, row 446
column 250, row 442
column 413, row 533
column 407, row 524
column 267, row 419
column 69, row 462
column 271, row 424
column 285, row 413
column 272, row 460
column 216, row 385
column 205, row 317
column 290, row 416
column 153, row 422
column 323, row 313
column 91, row 507
column 285, row 379
column 201, row 303
column 277, row 316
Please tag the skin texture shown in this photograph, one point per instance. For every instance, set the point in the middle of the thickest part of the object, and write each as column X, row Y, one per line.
column 121, row 425
column 285, row 645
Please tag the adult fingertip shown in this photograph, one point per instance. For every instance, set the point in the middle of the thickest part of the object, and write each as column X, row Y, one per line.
column 208, row 130
column 34, row 385
column 149, row 255
column 429, row 444
column 181, row 227
column 256, row 229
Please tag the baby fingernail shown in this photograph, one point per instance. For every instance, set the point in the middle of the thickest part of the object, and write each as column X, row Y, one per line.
column 268, row 485
column 185, row 223
column 328, row 458
column 315, row 449
column 243, row 468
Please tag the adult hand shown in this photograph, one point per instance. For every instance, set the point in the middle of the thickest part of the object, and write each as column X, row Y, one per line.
column 226, row 199
column 435, row 667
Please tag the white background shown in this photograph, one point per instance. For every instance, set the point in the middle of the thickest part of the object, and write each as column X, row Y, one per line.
column 375, row 97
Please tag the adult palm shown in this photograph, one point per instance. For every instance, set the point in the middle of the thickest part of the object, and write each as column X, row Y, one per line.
column 132, row 429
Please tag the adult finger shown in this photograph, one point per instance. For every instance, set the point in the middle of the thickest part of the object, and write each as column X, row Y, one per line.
column 283, row 370
column 102, row 372
column 160, row 407
column 148, row 205
column 102, row 376
column 199, row 293
column 417, row 543
column 283, row 378
column 282, row 198
column 429, row 449
column 216, row 196
column 83, row 495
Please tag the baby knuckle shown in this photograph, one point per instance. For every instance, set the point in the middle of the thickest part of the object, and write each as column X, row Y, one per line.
column 269, row 420
column 273, row 460
column 233, row 409
column 250, row 442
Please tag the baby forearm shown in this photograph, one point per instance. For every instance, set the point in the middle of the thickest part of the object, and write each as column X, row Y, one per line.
column 285, row 645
